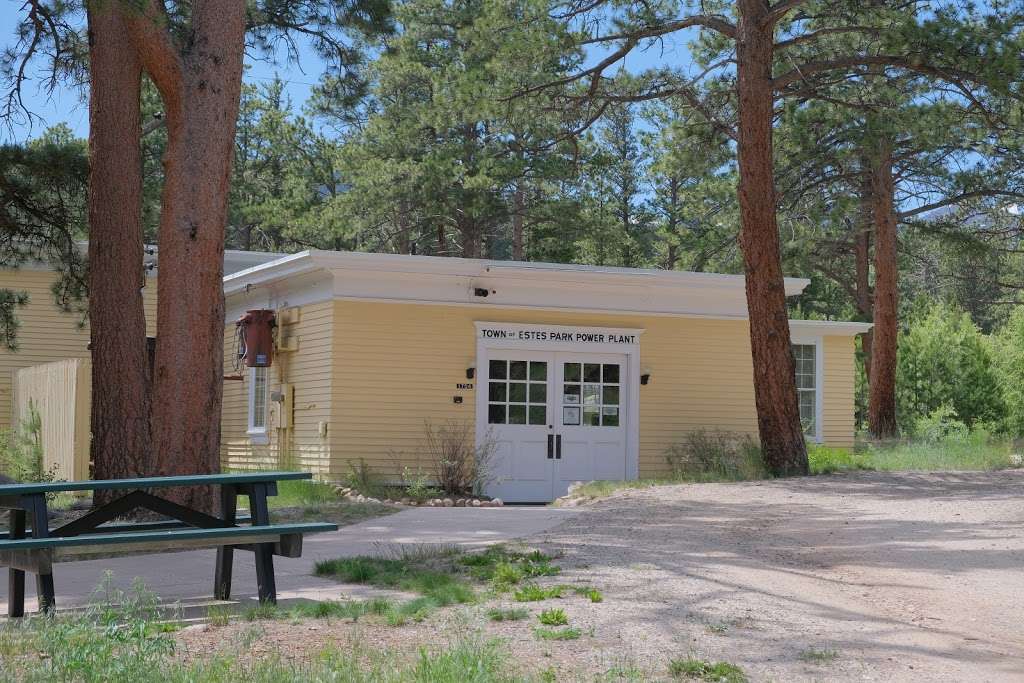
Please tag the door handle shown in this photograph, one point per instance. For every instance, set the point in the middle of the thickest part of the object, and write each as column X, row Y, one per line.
column 558, row 447
column 551, row 446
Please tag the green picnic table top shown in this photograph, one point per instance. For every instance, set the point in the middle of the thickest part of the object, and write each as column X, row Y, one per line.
column 165, row 536
column 152, row 482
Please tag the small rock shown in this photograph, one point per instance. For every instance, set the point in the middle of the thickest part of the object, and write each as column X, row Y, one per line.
column 460, row 503
column 476, row 503
column 448, row 502
column 498, row 502
column 1016, row 459
column 406, row 501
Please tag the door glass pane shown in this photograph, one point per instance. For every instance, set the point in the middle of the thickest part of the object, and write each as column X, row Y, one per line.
column 611, row 373
column 499, row 369
column 496, row 391
column 496, row 414
column 516, row 415
column 572, row 372
column 517, row 392
column 538, row 392
column 598, row 394
column 538, row 371
column 538, row 415
column 517, row 369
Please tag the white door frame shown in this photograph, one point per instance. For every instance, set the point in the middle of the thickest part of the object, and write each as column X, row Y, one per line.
column 571, row 339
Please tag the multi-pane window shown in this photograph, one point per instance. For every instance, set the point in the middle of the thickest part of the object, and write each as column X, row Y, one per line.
column 806, row 386
column 257, row 400
column 517, row 392
column 590, row 394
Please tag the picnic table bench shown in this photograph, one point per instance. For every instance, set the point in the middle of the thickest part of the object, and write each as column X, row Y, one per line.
column 31, row 545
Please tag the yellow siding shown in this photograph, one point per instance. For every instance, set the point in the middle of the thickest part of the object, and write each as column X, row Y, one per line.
column 308, row 370
column 838, row 378
column 47, row 334
column 375, row 372
column 396, row 365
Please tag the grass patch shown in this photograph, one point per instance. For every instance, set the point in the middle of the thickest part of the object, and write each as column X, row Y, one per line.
column 534, row 593
column 815, row 656
column 507, row 614
column 589, row 592
column 107, row 644
column 568, row 633
column 436, row 588
column 553, row 617
column 974, row 451
column 699, row 669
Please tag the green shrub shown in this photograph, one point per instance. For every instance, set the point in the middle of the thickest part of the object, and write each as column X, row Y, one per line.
column 941, row 425
column 1008, row 345
column 365, row 479
column 568, row 633
column 717, row 672
column 513, row 614
column 21, row 451
column 534, row 593
column 707, row 455
column 553, row 617
column 944, row 360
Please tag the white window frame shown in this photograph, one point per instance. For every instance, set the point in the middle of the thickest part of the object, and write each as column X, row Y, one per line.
column 819, row 384
column 258, row 434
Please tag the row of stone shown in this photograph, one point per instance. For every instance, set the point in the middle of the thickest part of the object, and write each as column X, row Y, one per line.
column 356, row 497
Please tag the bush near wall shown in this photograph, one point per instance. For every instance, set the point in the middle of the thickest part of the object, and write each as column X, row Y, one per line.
column 1008, row 347
column 945, row 360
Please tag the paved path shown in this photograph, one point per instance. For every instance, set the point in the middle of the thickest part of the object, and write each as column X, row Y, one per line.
column 188, row 576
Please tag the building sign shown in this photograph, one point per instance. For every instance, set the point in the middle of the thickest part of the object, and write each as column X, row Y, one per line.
column 555, row 333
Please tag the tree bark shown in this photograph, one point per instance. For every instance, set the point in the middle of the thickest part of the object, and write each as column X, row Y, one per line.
column 882, row 394
column 121, row 444
column 200, row 86
column 775, row 397
column 862, row 261
column 518, row 219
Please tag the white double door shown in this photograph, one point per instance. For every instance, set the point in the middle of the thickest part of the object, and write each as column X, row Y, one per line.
column 553, row 418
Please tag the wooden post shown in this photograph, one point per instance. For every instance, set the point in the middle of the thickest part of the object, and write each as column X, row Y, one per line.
column 225, row 553
column 264, row 552
column 16, row 577
column 41, row 529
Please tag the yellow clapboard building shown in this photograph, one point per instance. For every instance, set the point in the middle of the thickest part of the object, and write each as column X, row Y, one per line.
column 567, row 373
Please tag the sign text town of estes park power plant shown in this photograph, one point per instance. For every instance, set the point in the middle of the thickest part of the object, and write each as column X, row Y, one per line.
column 557, row 334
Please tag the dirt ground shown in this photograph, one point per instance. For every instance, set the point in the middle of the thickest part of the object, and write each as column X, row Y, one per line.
column 866, row 576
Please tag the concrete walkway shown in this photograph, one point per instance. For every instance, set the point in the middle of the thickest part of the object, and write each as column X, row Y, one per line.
column 187, row 577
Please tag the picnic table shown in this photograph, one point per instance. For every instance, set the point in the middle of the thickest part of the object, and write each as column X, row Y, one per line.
column 31, row 545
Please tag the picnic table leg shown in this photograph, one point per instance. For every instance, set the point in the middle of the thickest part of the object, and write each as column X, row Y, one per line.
column 266, row 585
column 16, row 577
column 225, row 553
column 41, row 529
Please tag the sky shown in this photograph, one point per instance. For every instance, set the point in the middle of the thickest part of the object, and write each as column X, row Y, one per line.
column 67, row 106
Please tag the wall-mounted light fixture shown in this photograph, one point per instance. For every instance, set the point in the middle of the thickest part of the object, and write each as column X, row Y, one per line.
column 470, row 371
column 645, row 376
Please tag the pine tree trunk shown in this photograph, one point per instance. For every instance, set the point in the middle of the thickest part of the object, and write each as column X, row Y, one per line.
column 862, row 261
column 200, row 89
column 518, row 211
column 882, row 396
column 778, row 414
column 120, row 367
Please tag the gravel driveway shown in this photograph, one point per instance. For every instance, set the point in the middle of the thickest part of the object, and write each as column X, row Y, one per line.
column 866, row 576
